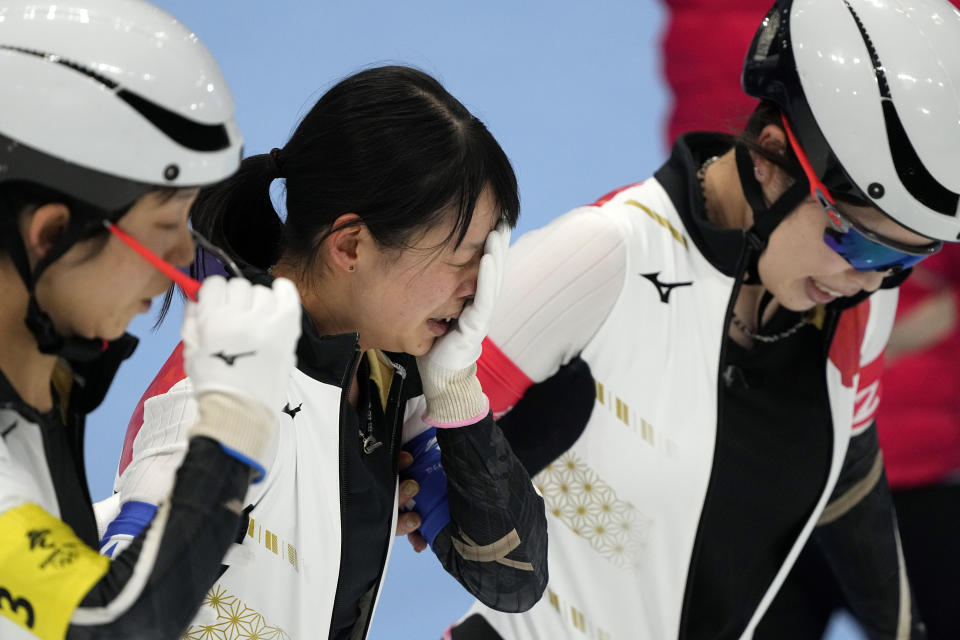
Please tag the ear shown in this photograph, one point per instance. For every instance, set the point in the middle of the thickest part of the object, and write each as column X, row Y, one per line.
column 345, row 243
column 44, row 228
column 774, row 141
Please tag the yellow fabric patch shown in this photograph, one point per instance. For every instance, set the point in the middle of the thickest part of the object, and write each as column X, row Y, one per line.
column 381, row 372
column 45, row 570
column 62, row 379
column 816, row 316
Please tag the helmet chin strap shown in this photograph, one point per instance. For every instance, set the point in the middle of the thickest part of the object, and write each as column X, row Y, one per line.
column 49, row 341
column 765, row 218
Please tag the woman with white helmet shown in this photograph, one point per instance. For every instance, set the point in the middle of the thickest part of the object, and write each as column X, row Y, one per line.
column 113, row 116
column 695, row 345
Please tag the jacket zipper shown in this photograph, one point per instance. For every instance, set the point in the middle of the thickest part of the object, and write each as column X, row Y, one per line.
column 829, row 329
column 695, row 554
column 346, row 384
column 395, row 436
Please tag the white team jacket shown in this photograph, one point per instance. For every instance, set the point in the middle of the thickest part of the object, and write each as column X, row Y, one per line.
column 624, row 502
column 281, row 582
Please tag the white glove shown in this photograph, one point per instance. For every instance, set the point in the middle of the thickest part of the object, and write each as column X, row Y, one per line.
column 239, row 347
column 449, row 370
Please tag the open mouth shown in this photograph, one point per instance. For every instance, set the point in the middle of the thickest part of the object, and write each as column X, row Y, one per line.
column 440, row 326
column 822, row 294
column 827, row 290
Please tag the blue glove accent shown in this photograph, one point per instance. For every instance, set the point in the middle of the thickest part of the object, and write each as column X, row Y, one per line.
column 133, row 518
column 259, row 472
column 430, row 503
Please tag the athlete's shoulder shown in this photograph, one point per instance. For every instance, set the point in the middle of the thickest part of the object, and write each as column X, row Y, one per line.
column 640, row 209
column 171, row 375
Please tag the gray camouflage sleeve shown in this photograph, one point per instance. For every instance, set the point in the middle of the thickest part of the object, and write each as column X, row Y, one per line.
column 495, row 544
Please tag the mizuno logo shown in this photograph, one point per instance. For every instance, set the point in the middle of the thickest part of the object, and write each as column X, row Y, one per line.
column 292, row 411
column 231, row 358
column 664, row 288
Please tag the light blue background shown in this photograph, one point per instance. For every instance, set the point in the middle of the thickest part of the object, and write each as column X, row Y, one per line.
column 572, row 91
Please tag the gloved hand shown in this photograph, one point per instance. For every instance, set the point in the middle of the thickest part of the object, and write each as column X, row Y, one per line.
column 239, row 347
column 430, row 502
column 449, row 370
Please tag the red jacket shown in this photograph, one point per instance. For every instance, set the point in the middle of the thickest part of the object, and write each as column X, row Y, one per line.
column 919, row 417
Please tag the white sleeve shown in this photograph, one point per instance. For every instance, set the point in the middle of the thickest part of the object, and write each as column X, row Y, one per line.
column 413, row 424
column 883, row 310
column 17, row 484
column 561, row 283
column 160, row 445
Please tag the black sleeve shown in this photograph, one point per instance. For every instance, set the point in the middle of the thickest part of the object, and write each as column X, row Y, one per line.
column 496, row 542
column 155, row 587
column 857, row 535
column 551, row 416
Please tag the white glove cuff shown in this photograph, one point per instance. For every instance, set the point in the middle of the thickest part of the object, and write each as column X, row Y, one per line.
column 454, row 398
column 245, row 430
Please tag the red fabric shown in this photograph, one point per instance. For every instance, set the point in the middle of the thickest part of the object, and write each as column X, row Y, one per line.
column 704, row 46
column 919, row 418
column 610, row 196
column 502, row 380
column 868, row 394
column 848, row 340
column 170, row 374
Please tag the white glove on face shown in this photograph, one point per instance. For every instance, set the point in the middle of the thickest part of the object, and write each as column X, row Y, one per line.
column 239, row 348
column 448, row 371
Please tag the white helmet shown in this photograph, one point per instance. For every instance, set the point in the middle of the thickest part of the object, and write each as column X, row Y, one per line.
column 871, row 89
column 106, row 100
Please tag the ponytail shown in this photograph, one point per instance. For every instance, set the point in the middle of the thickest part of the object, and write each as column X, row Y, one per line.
column 238, row 215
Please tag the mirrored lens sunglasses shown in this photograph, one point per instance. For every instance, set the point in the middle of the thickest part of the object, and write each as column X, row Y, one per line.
column 862, row 248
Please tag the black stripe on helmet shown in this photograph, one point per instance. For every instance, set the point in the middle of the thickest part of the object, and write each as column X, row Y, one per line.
column 917, row 179
column 185, row 132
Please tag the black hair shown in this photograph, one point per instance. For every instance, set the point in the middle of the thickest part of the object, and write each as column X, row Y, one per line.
column 766, row 113
column 389, row 144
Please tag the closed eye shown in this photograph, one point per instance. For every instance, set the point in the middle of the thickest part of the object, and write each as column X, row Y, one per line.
column 174, row 226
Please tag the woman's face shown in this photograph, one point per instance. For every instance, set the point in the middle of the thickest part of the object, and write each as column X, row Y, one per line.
column 801, row 271
column 405, row 297
column 96, row 288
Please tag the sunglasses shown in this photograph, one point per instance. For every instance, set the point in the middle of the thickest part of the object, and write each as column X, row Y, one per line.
column 189, row 285
column 865, row 250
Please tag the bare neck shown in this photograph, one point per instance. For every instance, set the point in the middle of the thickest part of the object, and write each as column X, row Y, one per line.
column 322, row 298
column 27, row 370
column 727, row 206
column 324, row 301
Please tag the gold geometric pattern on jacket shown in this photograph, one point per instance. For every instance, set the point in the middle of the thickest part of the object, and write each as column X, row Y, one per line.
column 589, row 507
column 235, row 621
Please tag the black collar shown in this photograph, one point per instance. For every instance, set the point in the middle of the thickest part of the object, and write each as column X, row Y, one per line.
column 327, row 359
column 91, row 381
column 723, row 248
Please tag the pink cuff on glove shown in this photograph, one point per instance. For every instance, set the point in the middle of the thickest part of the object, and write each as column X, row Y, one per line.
column 460, row 423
